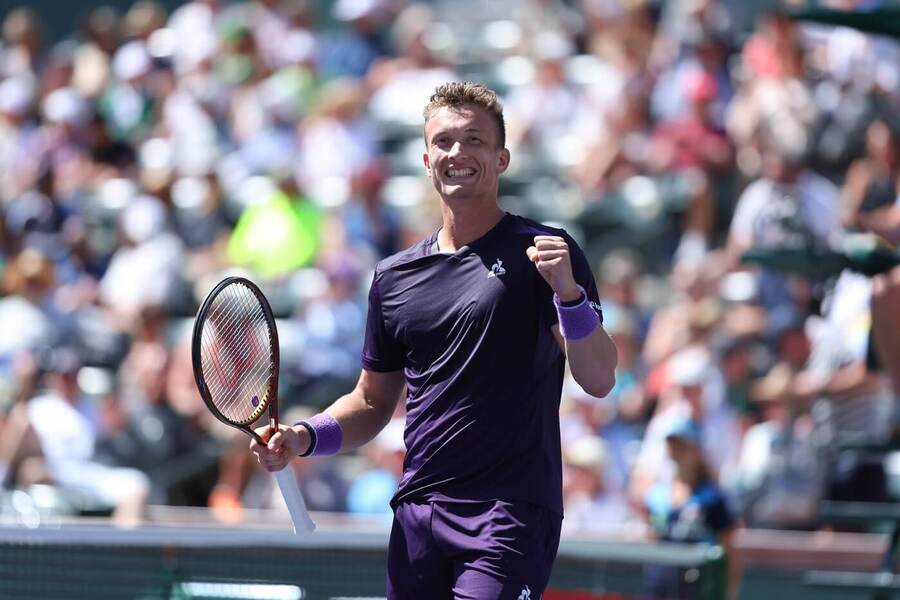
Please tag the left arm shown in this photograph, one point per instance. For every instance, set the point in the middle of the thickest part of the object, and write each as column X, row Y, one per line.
column 592, row 358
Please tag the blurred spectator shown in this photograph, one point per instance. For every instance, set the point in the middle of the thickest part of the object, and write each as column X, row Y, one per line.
column 277, row 233
column 693, row 390
column 539, row 113
column 694, row 148
column 791, row 207
column 850, row 401
column 143, row 430
column 23, row 36
column 26, row 308
column 370, row 224
column 67, row 425
column 144, row 270
column 371, row 492
column 780, row 477
column 402, row 85
column 688, row 508
column 620, row 146
column 351, row 50
column 592, row 502
column 704, row 53
column 873, row 181
column 19, row 136
column 127, row 102
column 336, row 142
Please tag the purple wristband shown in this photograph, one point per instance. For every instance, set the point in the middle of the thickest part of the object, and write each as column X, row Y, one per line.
column 326, row 435
column 579, row 321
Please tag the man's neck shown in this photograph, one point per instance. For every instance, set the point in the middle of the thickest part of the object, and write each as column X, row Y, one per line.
column 465, row 223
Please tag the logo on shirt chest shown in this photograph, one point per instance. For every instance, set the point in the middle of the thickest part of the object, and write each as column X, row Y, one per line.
column 497, row 269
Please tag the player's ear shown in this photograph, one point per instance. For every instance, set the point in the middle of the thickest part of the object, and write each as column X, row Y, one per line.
column 427, row 163
column 503, row 160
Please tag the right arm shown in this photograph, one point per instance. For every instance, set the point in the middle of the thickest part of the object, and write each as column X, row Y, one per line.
column 361, row 414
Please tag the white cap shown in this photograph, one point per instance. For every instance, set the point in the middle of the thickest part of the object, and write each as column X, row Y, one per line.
column 587, row 451
column 131, row 61
column 350, row 10
column 66, row 106
column 552, row 45
column 16, row 94
column 143, row 218
column 689, row 367
column 298, row 46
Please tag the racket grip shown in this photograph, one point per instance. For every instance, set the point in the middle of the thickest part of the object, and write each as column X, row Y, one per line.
column 290, row 491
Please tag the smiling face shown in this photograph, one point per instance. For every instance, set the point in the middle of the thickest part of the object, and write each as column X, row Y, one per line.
column 463, row 157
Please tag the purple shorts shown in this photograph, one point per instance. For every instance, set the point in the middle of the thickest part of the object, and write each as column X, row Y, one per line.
column 471, row 551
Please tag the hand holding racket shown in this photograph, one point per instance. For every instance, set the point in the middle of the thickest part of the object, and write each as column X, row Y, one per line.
column 235, row 357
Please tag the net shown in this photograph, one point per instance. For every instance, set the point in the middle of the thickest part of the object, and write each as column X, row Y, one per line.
column 235, row 354
column 100, row 562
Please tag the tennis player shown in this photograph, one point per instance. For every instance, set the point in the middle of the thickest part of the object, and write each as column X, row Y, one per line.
column 476, row 321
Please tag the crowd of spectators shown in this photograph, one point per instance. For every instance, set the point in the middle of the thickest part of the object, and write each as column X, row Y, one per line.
column 149, row 153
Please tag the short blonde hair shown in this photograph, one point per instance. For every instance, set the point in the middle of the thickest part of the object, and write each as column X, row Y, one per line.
column 456, row 94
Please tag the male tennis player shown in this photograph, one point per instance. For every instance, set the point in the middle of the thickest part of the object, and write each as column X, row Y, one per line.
column 476, row 321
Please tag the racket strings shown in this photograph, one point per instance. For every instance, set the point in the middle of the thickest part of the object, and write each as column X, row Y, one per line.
column 247, row 354
column 236, row 354
column 242, row 369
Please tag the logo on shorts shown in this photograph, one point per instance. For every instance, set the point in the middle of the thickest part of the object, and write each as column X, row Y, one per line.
column 497, row 269
column 525, row 594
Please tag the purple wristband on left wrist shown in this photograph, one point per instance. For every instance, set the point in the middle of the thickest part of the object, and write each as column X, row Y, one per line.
column 578, row 321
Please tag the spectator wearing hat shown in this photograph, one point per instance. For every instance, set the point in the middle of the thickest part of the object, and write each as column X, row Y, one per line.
column 689, row 508
column 20, row 140
column 25, row 316
column 779, row 482
column 127, row 103
column 144, row 270
column 591, row 499
column 692, row 388
column 24, row 37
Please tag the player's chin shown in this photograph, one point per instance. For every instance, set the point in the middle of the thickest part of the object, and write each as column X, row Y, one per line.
column 457, row 191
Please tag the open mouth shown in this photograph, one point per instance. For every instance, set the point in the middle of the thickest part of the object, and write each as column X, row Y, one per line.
column 456, row 174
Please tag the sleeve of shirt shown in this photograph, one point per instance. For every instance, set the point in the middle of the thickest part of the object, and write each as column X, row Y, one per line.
column 381, row 351
column 584, row 277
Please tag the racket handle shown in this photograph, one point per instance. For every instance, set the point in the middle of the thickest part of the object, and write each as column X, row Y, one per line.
column 290, row 491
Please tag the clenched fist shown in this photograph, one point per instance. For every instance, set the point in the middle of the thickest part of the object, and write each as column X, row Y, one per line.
column 550, row 254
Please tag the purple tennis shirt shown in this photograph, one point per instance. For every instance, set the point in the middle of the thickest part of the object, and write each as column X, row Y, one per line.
column 472, row 332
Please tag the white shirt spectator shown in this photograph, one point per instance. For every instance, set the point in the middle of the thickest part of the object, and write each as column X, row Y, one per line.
column 768, row 213
column 330, row 148
column 143, row 274
column 67, row 435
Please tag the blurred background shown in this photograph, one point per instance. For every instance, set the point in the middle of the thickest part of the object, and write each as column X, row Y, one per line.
column 149, row 149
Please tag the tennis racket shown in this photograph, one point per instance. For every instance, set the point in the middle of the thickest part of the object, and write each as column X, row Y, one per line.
column 234, row 350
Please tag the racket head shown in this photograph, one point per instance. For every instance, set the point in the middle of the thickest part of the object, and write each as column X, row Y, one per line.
column 234, row 351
